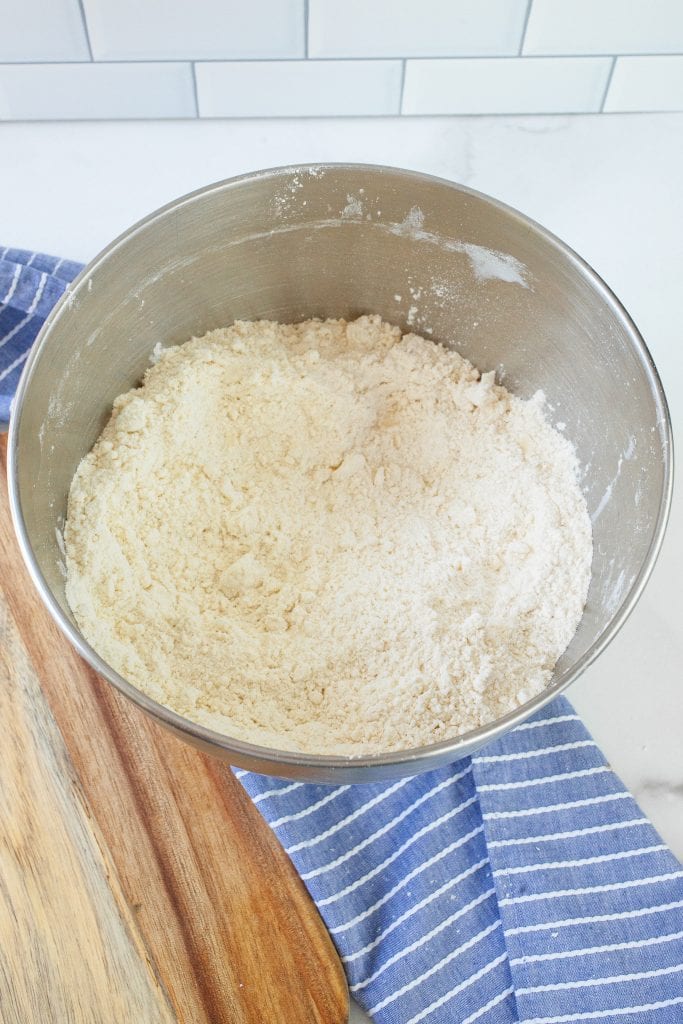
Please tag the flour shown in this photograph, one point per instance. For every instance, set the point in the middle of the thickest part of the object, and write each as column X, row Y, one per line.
column 329, row 538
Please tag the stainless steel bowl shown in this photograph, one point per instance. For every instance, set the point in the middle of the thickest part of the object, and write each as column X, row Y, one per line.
column 341, row 240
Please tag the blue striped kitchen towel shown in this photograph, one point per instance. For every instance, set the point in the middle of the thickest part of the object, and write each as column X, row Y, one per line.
column 523, row 884
column 30, row 284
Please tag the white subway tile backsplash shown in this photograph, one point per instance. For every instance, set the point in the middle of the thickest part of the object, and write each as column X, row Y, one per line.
column 298, row 88
column 195, row 29
column 505, row 86
column 427, row 28
column 75, row 59
column 646, row 83
column 35, row 92
column 42, row 30
column 604, row 26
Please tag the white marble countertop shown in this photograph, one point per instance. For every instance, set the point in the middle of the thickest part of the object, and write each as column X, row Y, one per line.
column 609, row 185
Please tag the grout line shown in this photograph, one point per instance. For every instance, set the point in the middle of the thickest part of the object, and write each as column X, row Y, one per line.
column 403, row 86
column 331, row 60
column 284, row 118
column 194, row 87
column 85, row 28
column 607, row 84
column 524, row 28
column 306, row 18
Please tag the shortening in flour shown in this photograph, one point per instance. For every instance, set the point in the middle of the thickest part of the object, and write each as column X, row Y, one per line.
column 327, row 537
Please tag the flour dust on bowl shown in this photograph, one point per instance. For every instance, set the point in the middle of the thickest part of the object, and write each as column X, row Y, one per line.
column 343, row 241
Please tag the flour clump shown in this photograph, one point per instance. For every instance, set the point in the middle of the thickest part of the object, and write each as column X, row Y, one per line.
column 328, row 537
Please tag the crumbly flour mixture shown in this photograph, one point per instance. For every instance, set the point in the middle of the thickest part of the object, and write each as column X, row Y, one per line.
column 328, row 537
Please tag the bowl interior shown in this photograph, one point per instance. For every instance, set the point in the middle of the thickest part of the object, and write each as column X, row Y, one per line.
column 341, row 241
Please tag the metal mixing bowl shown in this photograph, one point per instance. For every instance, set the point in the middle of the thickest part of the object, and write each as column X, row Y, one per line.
column 337, row 241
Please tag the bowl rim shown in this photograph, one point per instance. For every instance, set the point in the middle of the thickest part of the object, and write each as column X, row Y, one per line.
column 296, row 764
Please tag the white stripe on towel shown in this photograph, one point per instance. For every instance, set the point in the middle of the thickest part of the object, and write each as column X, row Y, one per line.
column 585, row 890
column 619, row 1011
column 392, row 857
column 306, row 844
column 615, row 947
column 12, row 366
column 416, row 908
column 277, row 792
column 17, row 327
column 441, row 926
column 581, row 773
column 547, row 721
column 399, row 885
column 520, row 755
column 310, row 809
column 569, row 922
column 458, row 988
column 488, row 1006
column 13, row 285
column 573, row 834
column 323, row 868
column 605, row 798
column 615, row 979
column 431, row 971
column 580, row 863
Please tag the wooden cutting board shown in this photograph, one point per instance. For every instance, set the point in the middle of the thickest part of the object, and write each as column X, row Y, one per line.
column 137, row 881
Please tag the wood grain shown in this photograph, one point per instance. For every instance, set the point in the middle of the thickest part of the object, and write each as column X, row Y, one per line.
column 222, row 927
column 70, row 947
